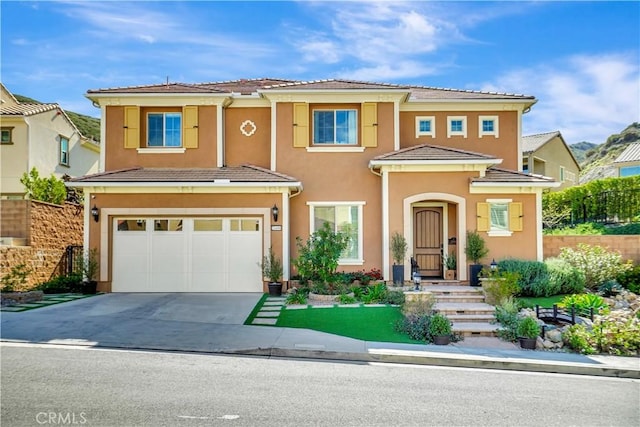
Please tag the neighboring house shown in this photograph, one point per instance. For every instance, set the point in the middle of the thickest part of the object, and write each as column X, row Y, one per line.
column 40, row 136
column 200, row 180
column 628, row 162
column 547, row 154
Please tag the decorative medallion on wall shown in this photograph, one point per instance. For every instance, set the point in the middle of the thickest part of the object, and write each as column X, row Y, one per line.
column 248, row 128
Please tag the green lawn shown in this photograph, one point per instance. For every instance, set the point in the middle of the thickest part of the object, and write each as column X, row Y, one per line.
column 546, row 302
column 363, row 323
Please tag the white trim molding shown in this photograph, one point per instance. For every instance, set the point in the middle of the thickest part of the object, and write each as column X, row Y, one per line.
column 496, row 126
column 431, row 120
column 463, row 132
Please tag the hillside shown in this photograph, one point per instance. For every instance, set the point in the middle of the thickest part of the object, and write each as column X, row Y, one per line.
column 599, row 160
column 88, row 126
column 580, row 149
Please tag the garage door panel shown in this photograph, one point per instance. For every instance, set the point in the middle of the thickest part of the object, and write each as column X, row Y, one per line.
column 190, row 255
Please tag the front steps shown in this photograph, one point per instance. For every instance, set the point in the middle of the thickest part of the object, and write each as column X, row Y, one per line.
column 462, row 304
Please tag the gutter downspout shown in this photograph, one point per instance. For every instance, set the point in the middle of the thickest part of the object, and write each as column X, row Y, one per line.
column 221, row 132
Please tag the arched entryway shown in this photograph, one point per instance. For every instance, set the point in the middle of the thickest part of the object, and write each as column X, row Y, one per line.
column 435, row 223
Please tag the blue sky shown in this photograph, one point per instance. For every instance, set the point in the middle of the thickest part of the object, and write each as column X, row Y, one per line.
column 580, row 59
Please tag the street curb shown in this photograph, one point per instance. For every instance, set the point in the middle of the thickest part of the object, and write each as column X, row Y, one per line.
column 467, row 361
column 426, row 359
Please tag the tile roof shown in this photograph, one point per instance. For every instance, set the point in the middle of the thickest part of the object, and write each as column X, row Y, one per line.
column 433, row 152
column 531, row 143
column 24, row 109
column 235, row 174
column 495, row 174
column 249, row 86
column 630, row 154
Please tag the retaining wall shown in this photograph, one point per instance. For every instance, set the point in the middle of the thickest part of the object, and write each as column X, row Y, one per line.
column 47, row 230
column 628, row 246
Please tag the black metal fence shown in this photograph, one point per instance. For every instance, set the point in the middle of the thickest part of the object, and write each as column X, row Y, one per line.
column 70, row 262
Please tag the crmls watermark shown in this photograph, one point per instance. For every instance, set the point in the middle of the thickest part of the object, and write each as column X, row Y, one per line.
column 61, row 418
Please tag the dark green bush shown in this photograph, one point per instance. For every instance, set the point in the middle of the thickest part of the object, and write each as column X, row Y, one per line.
column 394, row 297
column 563, row 277
column 533, row 277
column 375, row 294
column 630, row 279
column 506, row 315
column 417, row 327
column 62, row 284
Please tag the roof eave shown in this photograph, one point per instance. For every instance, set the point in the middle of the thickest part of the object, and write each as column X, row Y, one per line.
column 222, row 184
column 373, row 163
column 553, row 184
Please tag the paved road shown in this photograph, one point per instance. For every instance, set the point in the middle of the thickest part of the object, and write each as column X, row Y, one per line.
column 42, row 385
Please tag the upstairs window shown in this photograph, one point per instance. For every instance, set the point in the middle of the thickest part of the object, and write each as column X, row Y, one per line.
column 457, row 126
column 6, row 135
column 425, row 126
column 488, row 126
column 64, row 151
column 164, row 130
column 335, row 127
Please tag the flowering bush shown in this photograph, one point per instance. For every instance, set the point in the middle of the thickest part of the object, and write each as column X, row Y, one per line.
column 597, row 263
column 617, row 333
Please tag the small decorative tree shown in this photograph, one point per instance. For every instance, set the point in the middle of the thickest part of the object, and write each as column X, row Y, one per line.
column 399, row 253
column 318, row 257
column 50, row 190
column 272, row 268
column 90, row 270
column 475, row 251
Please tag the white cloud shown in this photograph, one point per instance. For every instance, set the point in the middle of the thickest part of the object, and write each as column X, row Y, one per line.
column 586, row 97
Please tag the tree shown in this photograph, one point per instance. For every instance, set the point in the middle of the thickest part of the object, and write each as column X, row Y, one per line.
column 50, row 190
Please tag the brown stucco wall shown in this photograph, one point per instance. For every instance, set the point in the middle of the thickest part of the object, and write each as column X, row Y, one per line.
column 254, row 149
column 504, row 147
column 628, row 246
column 118, row 157
column 52, row 228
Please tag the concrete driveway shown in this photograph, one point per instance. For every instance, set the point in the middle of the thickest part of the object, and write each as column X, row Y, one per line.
column 171, row 321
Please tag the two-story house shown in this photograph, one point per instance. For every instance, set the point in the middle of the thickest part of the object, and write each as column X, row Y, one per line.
column 549, row 155
column 200, row 180
column 40, row 136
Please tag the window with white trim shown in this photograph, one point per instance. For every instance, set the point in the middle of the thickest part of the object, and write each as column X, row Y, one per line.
column 335, row 127
column 488, row 126
column 64, row 151
column 425, row 126
column 457, row 126
column 341, row 217
column 164, row 129
column 499, row 217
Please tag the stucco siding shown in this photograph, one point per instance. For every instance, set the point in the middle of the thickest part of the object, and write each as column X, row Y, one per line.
column 14, row 158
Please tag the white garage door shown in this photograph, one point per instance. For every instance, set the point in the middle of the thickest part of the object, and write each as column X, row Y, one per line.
column 187, row 255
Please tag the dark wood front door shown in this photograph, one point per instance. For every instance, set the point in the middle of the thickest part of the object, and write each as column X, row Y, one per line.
column 427, row 240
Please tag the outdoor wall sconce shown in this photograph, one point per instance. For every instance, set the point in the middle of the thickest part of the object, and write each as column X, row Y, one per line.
column 274, row 212
column 95, row 213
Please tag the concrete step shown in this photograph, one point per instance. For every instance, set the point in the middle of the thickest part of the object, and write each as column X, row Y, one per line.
column 463, row 299
column 440, row 282
column 453, row 289
column 471, row 318
column 471, row 329
column 452, row 308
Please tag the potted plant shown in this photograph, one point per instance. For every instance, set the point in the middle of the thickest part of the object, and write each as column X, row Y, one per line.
column 440, row 329
column 528, row 331
column 475, row 251
column 450, row 264
column 272, row 269
column 89, row 271
column 399, row 253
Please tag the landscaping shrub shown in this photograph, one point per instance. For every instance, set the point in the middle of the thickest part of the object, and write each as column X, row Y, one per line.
column 346, row 299
column 318, row 257
column 62, row 284
column 394, row 297
column 415, row 326
column 578, row 338
column 609, row 288
column 630, row 279
column 533, row 277
column 421, row 305
column 563, row 277
column 618, row 333
column 15, row 279
column 583, row 303
column 499, row 286
column 297, row 296
column 597, row 263
column 506, row 315
column 375, row 294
